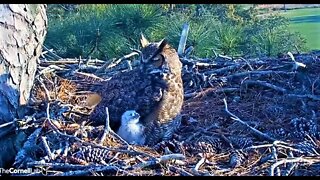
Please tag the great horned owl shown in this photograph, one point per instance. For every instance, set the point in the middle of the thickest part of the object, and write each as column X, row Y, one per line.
column 154, row 90
column 131, row 129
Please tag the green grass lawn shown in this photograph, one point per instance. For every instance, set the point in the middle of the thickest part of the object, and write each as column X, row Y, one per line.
column 307, row 22
column 301, row 12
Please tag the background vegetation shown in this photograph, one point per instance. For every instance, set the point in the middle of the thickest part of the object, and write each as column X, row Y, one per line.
column 108, row 31
column 307, row 22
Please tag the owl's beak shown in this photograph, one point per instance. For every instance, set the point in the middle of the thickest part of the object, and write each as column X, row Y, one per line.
column 165, row 68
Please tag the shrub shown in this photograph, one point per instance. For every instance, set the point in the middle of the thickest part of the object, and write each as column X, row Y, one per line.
column 76, row 34
column 130, row 20
column 200, row 34
column 102, row 31
column 108, row 31
column 271, row 36
column 228, row 39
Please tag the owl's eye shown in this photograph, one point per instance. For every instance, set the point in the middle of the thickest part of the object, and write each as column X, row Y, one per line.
column 157, row 58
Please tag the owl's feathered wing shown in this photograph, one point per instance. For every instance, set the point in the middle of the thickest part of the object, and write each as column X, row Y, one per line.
column 127, row 90
column 162, row 123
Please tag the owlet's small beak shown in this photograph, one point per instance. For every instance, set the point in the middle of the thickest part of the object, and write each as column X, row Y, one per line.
column 136, row 115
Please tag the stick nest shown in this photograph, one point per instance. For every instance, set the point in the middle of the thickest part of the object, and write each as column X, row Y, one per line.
column 240, row 117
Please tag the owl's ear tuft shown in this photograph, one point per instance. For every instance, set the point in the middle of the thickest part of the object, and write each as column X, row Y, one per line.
column 144, row 42
column 162, row 43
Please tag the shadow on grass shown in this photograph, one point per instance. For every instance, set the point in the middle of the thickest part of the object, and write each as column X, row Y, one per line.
column 306, row 19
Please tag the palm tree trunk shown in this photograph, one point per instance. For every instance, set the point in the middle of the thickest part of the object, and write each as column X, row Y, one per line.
column 22, row 29
column 22, row 32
